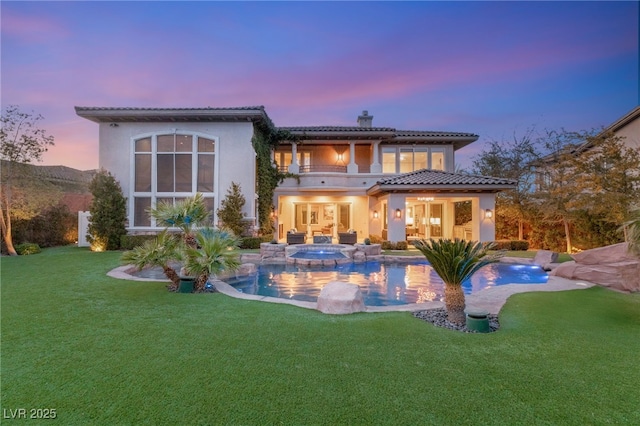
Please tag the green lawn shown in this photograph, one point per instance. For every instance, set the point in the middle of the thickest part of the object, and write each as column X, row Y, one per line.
column 103, row 351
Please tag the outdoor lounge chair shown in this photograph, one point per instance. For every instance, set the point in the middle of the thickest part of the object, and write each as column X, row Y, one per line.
column 295, row 237
column 347, row 237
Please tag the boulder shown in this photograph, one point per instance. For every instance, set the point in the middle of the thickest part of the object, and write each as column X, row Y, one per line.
column 340, row 298
column 607, row 254
column 610, row 266
column 545, row 258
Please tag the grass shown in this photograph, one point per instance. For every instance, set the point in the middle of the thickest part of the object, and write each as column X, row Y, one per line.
column 104, row 351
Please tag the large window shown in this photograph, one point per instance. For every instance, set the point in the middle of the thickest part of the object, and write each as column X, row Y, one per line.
column 409, row 159
column 171, row 167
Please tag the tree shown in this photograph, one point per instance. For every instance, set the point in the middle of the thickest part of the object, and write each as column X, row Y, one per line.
column 632, row 227
column 215, row 253
column 185, row 215
column 108, row 212
column 510, row 160
column 588, row 181
column 608, row 175
column 160, row 251
column 455, row 261
column 21, row 142
column 230, row 214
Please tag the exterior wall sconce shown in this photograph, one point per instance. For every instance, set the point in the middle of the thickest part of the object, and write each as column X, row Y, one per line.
column 398, row 213
column 488, row 214
column 375, row 214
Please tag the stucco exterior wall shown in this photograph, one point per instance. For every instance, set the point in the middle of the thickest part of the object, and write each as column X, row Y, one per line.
column 234, row 159
column 631, row 133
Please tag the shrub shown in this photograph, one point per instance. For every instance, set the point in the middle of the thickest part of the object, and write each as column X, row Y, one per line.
column 367, row 241
column 402, row 245
column 27, row 248
column 251, row 242
column 108, row 212
column 129, row 242
column 519, row 245
column 55, row 226
column 375, row 239
column 230, row 212
column 513, row 245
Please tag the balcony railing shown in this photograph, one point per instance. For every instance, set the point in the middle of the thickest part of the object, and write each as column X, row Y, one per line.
column 321, row 168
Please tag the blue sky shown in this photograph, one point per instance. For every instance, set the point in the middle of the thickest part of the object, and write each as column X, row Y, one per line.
column 491, row 68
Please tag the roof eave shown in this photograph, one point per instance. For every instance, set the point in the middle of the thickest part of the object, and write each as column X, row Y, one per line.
column 381, row 189
column 110, row 115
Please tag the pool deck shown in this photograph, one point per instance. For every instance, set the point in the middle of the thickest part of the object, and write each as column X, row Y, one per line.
column 490, row 299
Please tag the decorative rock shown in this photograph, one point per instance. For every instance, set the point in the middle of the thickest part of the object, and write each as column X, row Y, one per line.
column 545, row 258
column 359, row 257
column 607, row 254
column 340, row 298
column 611, row 266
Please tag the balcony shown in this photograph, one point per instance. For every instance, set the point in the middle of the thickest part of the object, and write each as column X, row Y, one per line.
column 323, row 168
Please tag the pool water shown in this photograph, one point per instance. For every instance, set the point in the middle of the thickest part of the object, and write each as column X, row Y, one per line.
column 381, row 284
column 311, row 254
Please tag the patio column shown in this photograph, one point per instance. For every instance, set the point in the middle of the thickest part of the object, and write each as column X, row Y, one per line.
column 396, row 225
column 483, row 227
column 294, row 167
column 376, row 167
column 352, row 167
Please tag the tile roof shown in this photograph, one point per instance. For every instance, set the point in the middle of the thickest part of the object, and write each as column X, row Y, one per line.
column 337, row 129
column 439, row 181
column 439, row 177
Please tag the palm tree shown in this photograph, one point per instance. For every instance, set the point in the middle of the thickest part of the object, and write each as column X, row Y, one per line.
column 185, row 214
column 632, row 232
column 215, row 253
column 157, row 252
column 455, row 261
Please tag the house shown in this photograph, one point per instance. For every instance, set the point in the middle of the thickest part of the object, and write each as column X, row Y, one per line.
column 375, row 180
column 626, row 127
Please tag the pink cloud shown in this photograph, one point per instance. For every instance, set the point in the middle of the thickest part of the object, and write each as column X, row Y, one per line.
column 31, row 28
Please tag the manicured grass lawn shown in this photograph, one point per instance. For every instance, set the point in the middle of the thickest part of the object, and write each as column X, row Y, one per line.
column 104, row 351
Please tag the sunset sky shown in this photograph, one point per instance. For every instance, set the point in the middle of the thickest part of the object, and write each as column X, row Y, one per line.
column 491, row 68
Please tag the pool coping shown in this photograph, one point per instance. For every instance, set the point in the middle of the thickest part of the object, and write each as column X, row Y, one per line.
column 490, row 299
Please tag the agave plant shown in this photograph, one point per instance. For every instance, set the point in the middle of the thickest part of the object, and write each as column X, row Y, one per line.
column 160, row 251
column 455, row 261
column 185, row 214
column 215, row 253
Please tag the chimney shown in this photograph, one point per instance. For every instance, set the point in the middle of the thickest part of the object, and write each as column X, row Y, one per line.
column 365, row 119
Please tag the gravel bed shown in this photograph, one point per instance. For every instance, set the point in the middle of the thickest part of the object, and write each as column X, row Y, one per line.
column 438, row 317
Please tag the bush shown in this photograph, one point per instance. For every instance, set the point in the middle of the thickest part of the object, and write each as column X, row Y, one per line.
column 251, row 242
column 375, row 239
column 55, row 226
column 512, row 245
column 27, row 248
column 108, row 212
column 129, row 242
column 367, row 241
column 400, row 245
column 519, row 245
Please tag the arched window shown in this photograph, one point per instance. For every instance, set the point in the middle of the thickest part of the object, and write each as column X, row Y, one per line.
column 171, row 167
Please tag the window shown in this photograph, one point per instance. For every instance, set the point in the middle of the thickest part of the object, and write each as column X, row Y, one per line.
column 171, row 167
column 409, row 159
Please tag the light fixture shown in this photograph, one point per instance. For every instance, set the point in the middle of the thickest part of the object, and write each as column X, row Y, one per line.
column 398, row 213
column 113, row 125
column 427, row 199
column 375, row 214
column 488, row 214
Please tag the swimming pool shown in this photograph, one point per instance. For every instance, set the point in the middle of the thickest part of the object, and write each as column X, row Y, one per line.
column 382, row 284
